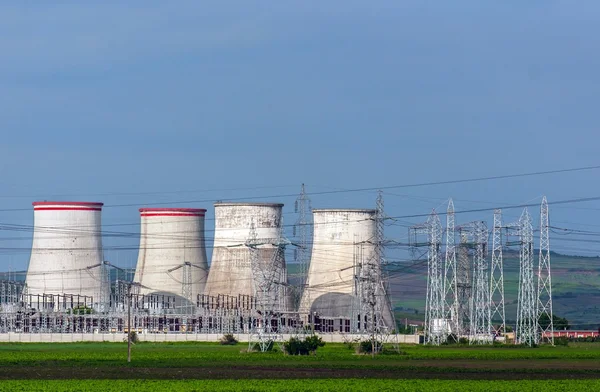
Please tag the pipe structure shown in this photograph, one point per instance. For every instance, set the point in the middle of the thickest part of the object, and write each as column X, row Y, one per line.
column 172, row 255
column 230, row 269
column 343, row 241
column 66, row 254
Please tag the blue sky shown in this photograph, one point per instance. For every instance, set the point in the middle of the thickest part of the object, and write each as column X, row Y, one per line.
column 100, row 98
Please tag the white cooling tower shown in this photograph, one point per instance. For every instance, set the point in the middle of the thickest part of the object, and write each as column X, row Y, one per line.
column 66, row 252
column 172, row 251
column 341, row 239
column 230, row 269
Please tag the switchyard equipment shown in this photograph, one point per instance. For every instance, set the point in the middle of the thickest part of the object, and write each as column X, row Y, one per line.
column 172, row 254
column 470, row 302
column 343, row 286
column 66, row 254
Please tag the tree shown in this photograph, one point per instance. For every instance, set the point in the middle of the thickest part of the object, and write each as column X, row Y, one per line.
column 560, row 323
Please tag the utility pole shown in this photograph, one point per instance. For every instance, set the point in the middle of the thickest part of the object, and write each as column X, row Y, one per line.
column 129, row 322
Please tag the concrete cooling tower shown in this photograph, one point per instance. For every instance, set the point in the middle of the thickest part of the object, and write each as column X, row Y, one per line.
column 341, row 238
column 66, row 254
column 230, row 269
column 172, row 251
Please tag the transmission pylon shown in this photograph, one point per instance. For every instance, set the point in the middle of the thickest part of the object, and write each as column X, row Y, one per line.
column 373, row 281
column 544, row 287
column 497, row 312
column 435, row 326
column 526, row 332
column 302, row 252
column 186, row 285
column 451, row 304
column 480, row 311
column 463, row 284
column 269, row 287
column 383, row 283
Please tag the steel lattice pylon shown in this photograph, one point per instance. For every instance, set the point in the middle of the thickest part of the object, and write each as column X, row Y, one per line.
column 186, row 286
column 268, row 279
column 303, row 234
column 383, row 293
column 451, row 303
column 463, row 284
column 480, row 310
column 497, row 311
column 435, row 324
column 544, row 286
column 526, row 332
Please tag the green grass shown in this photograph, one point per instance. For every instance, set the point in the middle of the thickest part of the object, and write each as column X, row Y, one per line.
column 209, row 354
column 324, row 385
column 210, row 366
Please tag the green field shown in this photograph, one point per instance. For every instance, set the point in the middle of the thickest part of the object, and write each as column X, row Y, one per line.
column 209, row 366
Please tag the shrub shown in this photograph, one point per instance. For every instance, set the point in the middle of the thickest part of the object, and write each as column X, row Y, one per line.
column 133, row 336
column 561, row 341
column 309, row 345
column 228, row 340
column 366, row 346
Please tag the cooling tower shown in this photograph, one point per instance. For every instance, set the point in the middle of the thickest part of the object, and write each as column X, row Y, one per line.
column 172, row 255
column 230, row 269
column 66, row 252
column 341, row 239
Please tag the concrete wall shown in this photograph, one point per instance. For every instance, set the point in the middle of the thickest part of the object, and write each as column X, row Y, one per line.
column 120, row 337
column 66, row 241
column 168, row 238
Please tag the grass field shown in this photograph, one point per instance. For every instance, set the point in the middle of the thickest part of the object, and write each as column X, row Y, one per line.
column 205, row 366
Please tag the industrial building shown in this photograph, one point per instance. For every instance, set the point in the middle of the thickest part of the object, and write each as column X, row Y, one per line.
column 69, row 289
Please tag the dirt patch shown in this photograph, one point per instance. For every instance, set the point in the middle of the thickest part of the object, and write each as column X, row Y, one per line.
column 462, row 369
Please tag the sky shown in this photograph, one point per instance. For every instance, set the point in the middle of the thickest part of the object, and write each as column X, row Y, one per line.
column 183, row 103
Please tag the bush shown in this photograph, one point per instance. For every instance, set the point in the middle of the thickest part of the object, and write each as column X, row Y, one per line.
column 309, row 345
column 228, row 340
column 366, row 347
column 561, row 341
column 134, row 337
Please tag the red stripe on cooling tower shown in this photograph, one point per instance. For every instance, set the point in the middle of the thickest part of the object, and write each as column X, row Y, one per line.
column 66, row 209
column 166, row 214
column 171, row 210
column 67, row 203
